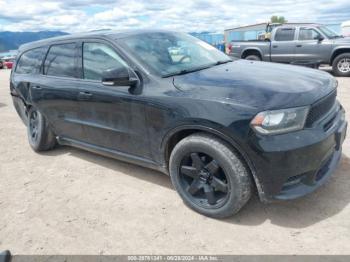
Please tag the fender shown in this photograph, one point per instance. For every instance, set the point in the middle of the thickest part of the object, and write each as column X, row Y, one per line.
column 252, row 49
column 338, row 50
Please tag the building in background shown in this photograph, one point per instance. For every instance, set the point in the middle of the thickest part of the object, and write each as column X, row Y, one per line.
column 215, row 39
column 244, row 33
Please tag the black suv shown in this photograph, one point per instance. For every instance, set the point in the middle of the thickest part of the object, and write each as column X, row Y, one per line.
column 171, row 102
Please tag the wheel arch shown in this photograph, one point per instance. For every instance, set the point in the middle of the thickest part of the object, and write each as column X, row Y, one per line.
column 339, row 51
column 177, row 134
column 251, row 51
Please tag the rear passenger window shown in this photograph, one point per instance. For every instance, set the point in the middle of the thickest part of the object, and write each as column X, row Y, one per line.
column 285, row 34
column 30, row 61
column 60, row 60
column 98, row 57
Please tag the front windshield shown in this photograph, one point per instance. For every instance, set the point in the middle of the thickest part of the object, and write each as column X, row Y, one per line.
column 328, row 32
column 168, row 53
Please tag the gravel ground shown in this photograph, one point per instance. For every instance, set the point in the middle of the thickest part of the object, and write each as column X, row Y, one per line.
column 68, row 201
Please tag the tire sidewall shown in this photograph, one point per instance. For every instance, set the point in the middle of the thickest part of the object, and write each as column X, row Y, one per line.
column 253, row 58
column 35, row 144
column 231, row 167
column 335, row 65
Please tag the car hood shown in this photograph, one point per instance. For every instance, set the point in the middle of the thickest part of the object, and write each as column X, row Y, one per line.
column 257, row 84
column 342, row 40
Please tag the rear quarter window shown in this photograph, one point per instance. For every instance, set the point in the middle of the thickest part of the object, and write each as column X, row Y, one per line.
column 60, row 60
column 30, row 61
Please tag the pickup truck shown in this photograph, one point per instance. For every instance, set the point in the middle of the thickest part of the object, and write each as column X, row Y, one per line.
column 299, row 44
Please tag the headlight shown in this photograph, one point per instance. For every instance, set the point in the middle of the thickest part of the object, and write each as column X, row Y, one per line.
column 280, row 121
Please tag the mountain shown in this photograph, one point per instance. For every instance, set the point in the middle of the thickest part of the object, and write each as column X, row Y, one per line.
column 12, row 40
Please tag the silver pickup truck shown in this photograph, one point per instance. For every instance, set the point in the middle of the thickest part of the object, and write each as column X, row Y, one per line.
column 298, row 45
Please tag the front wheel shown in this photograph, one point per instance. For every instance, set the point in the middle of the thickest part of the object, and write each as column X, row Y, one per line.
column 40, row 136
column 341, row 65
column 209, row 176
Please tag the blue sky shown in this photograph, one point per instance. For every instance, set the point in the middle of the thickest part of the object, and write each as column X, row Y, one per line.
column 184, row 15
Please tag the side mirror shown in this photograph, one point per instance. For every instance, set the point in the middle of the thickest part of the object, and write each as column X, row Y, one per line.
column 118, row 77
column 320, row 38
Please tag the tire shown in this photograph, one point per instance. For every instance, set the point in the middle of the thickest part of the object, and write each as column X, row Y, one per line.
column 337, row 65
column 222, row 170
column 40, row 136
column 253, row 57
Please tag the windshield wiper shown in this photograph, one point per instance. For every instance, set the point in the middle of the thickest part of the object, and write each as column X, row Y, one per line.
column 191, row 70
column 186, row 71
column 220, row 62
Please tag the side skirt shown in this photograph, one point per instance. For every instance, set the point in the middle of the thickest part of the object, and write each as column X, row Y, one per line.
column 140, row 161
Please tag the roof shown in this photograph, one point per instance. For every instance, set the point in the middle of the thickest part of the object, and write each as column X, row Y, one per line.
column 111, row 34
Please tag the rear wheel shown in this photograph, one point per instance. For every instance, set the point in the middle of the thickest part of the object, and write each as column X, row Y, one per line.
column 209, row 176
column 341, row 65
column 253, row 57
column 40, row 136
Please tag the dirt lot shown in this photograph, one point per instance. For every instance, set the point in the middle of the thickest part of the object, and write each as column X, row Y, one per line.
column 69, row 201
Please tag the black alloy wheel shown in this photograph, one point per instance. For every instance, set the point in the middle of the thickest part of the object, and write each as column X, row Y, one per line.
column 204, row 180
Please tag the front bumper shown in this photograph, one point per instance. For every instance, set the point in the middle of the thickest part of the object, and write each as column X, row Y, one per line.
column 292, row 165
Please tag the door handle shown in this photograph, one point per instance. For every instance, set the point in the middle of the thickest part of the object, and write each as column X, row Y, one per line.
column 299, row 45
column 36, row 87
column 275, row 46
column 84, row 96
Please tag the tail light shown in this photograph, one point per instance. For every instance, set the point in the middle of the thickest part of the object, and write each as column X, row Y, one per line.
column 229, row 47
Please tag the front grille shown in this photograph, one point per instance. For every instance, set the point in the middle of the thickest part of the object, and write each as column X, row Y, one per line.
column 320, row 108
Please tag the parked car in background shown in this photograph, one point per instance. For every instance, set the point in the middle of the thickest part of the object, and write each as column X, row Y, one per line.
column 302, row 43
column 1, row 64
column 219, row 127
column 8, row 63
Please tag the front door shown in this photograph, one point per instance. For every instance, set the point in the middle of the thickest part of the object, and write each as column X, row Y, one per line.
column 308, row 45
column 111, row 116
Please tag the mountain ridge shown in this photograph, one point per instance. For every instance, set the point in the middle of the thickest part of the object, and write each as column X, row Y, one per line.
column 12, row 40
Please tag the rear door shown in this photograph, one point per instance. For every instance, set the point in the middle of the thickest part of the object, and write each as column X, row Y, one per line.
column 27, row 71
column 55, row 95
column 283, row 45
column 25, row 76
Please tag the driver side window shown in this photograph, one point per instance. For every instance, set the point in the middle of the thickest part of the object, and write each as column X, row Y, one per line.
column 308, row 34
column 99, row 57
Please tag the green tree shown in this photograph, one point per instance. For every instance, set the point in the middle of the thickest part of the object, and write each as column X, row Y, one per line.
column 278, row 19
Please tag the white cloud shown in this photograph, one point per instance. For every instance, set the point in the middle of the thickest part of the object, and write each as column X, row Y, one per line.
column 185, row 15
